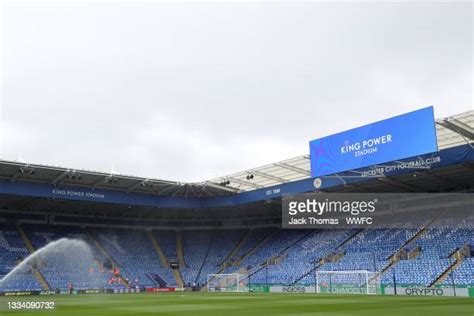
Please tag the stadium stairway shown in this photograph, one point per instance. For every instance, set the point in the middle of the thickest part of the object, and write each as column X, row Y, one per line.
column 444, row 275
column 203, row 262
column 416, row 235
column 393, row 258
column 317, row 266
column 156, row 279
column 235, row 250
column 320, row 261
column 101, row 248
column 277, row 258
column 222, row 265
column 41, row 279
column 357, row 232
column 163, row 259
column 257, row 246
column 25, row 239
column 32, row 249
column 204, row 286
column 180, row 249
column 178, row 277
column 459, row 255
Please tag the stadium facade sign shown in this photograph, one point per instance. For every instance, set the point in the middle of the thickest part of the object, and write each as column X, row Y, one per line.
column 416, row 163
column 77, row 193
column 443, row 158
column 408, row 135
column 446, row 157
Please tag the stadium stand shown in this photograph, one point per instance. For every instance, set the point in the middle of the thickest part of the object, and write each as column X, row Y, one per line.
column 289, row 255
column 167, row 241
column 132, row 245
column 12, row 251
column 58, row 272
column 134, row 255
column 221, row 245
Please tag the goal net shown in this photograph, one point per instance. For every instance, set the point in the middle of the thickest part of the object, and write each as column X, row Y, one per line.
column 231, row 282
column 348, row 282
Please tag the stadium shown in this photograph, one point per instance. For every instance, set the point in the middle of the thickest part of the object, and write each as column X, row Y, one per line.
column 223, row 157
column 106, row 244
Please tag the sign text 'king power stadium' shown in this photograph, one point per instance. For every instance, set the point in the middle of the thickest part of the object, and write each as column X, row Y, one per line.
column 399, row 137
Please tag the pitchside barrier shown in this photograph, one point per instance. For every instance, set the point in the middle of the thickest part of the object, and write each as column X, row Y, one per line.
column 385, row 290
column 413, row 290
column 428, row 291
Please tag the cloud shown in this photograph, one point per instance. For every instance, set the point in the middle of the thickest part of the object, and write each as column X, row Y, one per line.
column 193, row 91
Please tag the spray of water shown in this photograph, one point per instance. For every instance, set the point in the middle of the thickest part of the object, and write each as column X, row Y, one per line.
column 61, row 261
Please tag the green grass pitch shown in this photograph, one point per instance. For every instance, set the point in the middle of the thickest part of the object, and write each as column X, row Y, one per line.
column 229, row 304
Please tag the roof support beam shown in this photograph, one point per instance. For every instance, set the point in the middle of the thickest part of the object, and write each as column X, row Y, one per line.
column 165, row 189
column 23, row 169
column 194, row 190
column 268, row 176
column 244, row 182
column 208, row 192
column 205, row 191
column 221, row 187
column 293, row 168
column 179, row 189
column 135, row 185
column 101, row 180
column 186, row 190
column 458, row 127
column 157, row 187
column 60, row 178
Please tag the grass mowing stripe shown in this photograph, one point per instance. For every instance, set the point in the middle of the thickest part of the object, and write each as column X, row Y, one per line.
column 230, row 304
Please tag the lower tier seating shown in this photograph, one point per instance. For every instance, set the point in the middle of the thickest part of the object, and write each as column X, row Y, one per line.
column 292, row 255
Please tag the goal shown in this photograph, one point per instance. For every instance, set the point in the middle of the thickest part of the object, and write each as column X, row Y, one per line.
column 230, row 282
column 348, row 282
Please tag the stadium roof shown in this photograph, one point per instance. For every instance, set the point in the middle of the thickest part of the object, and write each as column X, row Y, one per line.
column 451, row 131
column 16, row 171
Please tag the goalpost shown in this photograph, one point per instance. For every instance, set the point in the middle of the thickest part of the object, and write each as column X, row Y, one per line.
column 230, row 282
column 348, row 282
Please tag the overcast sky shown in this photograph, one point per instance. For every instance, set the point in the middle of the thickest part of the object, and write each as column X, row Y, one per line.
column 192, row 91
